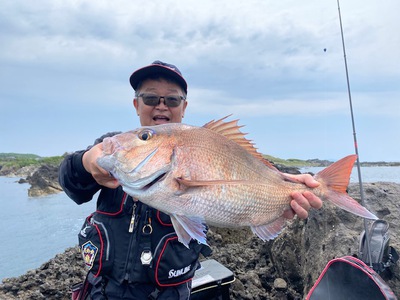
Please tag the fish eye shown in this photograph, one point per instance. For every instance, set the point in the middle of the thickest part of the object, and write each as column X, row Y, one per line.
column 145, row 135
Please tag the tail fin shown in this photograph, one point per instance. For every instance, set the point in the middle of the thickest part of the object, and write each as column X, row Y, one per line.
column 337, row 177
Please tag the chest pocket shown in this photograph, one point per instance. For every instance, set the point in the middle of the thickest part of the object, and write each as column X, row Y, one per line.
column 96, row 246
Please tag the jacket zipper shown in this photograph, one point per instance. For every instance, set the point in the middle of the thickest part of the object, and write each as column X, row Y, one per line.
column 132, row 224
column 136, row 209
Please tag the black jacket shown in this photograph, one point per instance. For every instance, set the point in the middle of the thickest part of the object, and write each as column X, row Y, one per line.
column 117, row 239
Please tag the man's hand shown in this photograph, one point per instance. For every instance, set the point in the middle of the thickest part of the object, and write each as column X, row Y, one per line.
column 303, row 202
column 101, row 176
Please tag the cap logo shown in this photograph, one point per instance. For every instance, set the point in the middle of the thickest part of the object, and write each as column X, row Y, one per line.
column 172, row 67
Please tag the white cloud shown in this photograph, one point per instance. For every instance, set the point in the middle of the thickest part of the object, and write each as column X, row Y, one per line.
column 250, row 58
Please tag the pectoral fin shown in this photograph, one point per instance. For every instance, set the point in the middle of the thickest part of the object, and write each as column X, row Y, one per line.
column 188, row 228
column 271, row 230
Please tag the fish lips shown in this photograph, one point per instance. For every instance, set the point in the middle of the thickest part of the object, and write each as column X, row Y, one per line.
column 144, row 183
column 132, row 179
column 108, row 163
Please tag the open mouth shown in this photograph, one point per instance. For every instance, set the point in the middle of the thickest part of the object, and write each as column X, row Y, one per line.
column 145, row 183
column 155, row 180
column 160, row 118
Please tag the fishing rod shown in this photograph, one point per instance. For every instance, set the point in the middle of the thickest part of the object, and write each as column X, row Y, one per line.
column 355, row 137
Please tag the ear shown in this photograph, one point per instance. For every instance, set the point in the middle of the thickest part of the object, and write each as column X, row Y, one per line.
column 136, row 105
column 184, row 108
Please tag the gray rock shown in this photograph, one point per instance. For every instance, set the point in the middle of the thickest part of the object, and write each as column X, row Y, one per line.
column 280, row 284
column 44, row 181
column 296, row 257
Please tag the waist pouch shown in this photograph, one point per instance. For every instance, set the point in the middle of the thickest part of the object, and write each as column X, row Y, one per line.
column 149, row 253
column 173, row 263
column 96, row 246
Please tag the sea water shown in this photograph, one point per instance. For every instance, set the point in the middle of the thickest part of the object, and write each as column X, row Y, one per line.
column 368, row 174
column 34, row 230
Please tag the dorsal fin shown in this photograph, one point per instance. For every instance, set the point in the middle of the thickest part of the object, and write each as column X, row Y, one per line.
column 231, row 131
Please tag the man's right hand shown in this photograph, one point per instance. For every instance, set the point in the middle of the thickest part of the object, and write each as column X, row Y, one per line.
column 101, row 176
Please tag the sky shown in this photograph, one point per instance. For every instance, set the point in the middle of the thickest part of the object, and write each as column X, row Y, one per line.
column 277, row 66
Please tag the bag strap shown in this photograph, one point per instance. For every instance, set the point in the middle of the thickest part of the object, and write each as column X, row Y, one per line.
column 81, row 290
column 393, row 258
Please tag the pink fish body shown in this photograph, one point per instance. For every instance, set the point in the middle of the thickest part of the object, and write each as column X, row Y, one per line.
column 213, row 175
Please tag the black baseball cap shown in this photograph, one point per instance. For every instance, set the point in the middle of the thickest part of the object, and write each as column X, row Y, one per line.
column 160, row 68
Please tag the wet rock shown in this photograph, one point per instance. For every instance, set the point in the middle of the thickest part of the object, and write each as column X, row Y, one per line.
column 285, row 268
column 286, row 169
column 44, row 181
column 15, row 171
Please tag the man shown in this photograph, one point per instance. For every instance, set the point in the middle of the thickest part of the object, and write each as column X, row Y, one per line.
column 120, row 242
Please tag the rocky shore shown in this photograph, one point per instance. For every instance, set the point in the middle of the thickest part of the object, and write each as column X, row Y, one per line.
column 43, row 179
column 285, row 268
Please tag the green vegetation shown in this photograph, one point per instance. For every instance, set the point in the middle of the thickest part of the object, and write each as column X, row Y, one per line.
column 292, row 162
column 17, row 160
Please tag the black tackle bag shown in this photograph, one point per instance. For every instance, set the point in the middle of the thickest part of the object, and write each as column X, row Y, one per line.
column 348, row 278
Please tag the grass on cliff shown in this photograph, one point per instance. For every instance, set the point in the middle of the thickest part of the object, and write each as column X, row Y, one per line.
column 22, row 160
column 293, row 162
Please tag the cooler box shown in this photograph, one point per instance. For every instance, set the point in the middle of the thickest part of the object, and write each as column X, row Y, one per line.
column 211, row 281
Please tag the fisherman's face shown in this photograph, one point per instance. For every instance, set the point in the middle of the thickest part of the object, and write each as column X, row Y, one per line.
column 160, row 113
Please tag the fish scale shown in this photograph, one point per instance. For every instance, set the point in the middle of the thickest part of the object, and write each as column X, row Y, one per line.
column 260, row 208
column 213, row 175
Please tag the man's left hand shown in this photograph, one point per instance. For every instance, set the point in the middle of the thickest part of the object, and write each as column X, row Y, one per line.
column 302, row 202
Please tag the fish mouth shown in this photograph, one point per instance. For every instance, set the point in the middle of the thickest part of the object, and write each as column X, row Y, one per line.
column 146, row 183
column 133, row 179
column 157, row 179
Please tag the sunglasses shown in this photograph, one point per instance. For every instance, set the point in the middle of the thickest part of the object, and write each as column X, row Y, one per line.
column 154, row 100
